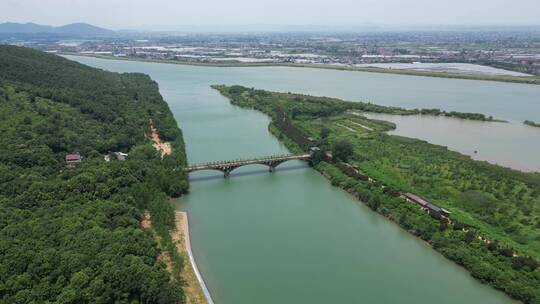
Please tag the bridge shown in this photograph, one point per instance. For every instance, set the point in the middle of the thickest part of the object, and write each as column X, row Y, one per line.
column 228, row 166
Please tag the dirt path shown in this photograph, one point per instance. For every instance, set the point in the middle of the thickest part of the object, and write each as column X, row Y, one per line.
column 146, row 222
column 348, row 128
column 361, row 125
column 163, row 147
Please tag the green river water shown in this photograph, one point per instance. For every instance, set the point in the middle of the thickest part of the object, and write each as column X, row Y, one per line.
column 290, row 237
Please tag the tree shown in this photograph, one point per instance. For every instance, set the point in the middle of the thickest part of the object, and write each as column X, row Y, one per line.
column 325, row 132
column 524, row 262
column 342, row 150
column 469, row 236
column 317, row 156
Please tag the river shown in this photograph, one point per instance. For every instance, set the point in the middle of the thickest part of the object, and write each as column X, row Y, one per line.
column 290, row 237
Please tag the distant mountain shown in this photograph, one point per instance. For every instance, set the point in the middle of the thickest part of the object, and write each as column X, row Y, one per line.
column 75, row 29
column 83, row 29
column 24, row 28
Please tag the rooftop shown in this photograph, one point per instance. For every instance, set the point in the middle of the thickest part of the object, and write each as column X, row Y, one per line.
column 417, row 199
column 73, row 157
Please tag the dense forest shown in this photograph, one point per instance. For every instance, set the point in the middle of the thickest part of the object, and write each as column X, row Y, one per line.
column 494, row 227
column 72, row 234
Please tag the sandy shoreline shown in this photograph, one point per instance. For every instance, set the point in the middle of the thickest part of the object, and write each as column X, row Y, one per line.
column 193, row 283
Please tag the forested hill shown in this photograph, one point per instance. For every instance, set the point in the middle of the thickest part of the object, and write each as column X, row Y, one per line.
column 73, row 234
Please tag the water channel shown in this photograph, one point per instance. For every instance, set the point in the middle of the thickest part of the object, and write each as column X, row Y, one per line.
column 290, row 237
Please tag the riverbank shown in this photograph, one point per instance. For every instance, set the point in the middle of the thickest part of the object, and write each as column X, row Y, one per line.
column 179, row 260
column 193, row 284
column 531, row 123
column 176, row 247
column 498, row 78
column 399, row 165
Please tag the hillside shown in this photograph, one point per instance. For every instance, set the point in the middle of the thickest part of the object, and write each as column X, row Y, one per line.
column 73, row 234
column 82, row 29
column 75, row 29
column 24, row 28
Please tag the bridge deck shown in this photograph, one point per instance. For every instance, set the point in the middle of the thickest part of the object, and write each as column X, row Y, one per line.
column 225, row 165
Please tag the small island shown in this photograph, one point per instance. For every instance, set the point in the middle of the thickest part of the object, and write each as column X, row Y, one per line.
column 532, row 123
column 326, row 105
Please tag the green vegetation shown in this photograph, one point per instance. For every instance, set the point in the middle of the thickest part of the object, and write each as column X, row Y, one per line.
column 499, row 78
column 531, row 123
column 342, row 150
column 494, row 228
column 311, row 106
column 73, row 234
column 527, row 68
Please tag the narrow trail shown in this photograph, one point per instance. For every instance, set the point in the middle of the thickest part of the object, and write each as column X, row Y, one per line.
column 163, row 147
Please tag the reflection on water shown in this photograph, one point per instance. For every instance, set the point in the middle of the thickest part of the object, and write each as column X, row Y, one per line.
column 510, row 144
column 195, row 177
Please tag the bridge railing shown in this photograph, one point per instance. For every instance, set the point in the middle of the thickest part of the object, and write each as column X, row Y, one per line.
column 241, row 161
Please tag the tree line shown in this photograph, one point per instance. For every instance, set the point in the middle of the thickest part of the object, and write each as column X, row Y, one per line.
column 73, row 235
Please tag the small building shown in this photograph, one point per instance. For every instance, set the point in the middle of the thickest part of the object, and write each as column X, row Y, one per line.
column 120, row 156
column 433, row 209
column 416, row 199
column 73, row 159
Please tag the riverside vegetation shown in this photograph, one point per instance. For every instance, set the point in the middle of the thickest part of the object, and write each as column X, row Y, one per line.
column 73, row 234
column 531, row 123
column 494, row 228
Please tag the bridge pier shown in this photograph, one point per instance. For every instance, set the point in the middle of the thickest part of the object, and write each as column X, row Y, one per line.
column 272, row 166
column 227, row 170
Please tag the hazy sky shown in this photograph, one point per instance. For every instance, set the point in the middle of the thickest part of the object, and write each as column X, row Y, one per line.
column 119, row 14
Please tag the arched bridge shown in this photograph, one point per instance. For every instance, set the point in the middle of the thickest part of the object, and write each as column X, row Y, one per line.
column 227, row 166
